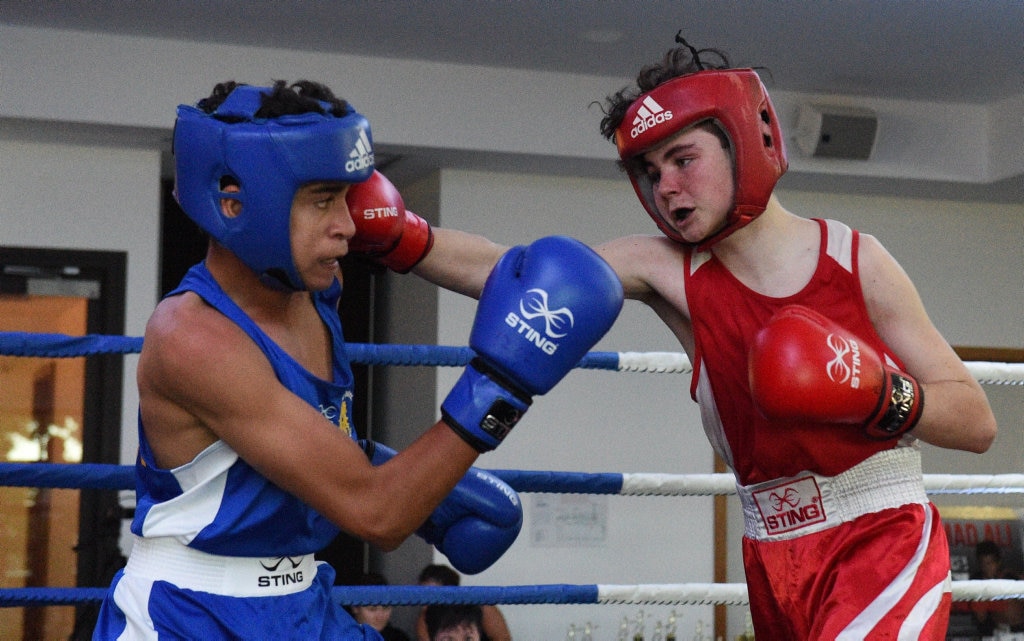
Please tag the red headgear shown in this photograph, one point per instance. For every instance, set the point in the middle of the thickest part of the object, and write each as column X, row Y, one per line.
column 736, row 101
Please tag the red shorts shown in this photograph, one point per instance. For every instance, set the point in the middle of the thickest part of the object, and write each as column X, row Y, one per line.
column 883, row 575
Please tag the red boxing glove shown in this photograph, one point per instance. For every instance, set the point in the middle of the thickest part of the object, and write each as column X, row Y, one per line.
column 805, row 366
column 385, row 230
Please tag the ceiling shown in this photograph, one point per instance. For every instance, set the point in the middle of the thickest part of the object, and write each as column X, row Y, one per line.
column 935, row 50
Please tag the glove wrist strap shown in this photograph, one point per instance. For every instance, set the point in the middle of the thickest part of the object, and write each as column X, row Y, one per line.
column 415, row 243
column 901, row 408
column 483, row 407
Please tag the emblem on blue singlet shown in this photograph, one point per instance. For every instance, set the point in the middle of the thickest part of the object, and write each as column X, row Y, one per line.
column 341, row 414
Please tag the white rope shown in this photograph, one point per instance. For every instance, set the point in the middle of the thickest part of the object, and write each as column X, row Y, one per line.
column 674, row 594
column 736, row 593
column 643, row 484
column 996, row 373
column 678, row 363
column 988, row 590
column 974, row 483
column 655, row 362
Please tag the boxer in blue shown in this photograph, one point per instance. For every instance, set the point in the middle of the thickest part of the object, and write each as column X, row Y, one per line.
column 247, row 461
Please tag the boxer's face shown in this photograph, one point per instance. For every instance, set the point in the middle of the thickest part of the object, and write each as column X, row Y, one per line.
column 692, row 179
column 320, row 229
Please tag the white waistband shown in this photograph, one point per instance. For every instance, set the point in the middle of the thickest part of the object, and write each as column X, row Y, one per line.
column 166, row 559
column 807, row 502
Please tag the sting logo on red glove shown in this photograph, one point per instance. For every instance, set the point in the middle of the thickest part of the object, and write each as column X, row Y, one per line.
column 838, row 369
column 805, row 366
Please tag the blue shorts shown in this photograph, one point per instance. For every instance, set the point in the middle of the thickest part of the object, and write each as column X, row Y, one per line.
column 138, row 608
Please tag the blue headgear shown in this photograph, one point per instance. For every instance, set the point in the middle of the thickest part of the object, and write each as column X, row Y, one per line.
column 270, row 159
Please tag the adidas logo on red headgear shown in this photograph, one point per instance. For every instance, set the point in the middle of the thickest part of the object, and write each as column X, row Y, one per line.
column 648, row 115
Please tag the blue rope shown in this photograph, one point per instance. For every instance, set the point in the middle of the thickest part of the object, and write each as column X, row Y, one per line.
column 353, row 595
column 106, row 476
column 481, row 595
column 561, row 482
column 63, row 346
column 429, row 355
column 92, row 476
column 25, row 597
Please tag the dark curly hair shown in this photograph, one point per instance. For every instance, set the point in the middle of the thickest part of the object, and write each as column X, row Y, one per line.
column 300, row 97
column 678, row 61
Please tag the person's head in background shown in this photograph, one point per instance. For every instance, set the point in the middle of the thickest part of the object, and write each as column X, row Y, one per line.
column 439, row 575
column 990, row 559
column 454, row 622
column 376, row 616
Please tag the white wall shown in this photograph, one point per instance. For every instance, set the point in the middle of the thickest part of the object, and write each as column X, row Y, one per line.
column 89, row 197
column 966, row 258
column 105, row 79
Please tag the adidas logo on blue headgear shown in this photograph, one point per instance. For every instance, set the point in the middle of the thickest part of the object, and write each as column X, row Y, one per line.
column 270, row 159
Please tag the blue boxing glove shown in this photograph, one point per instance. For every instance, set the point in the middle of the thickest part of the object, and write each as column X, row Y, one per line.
column 541, row 310
column 475, row 524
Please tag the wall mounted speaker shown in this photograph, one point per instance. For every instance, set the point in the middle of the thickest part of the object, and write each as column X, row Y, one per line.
column 834, row 131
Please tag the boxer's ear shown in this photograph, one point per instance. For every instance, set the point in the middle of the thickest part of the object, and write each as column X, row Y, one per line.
column 230, row 207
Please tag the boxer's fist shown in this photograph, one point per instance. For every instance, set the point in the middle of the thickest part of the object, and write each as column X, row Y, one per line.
column 542, row 308
column 802, row 365
column 385, row 231
column 475, row 524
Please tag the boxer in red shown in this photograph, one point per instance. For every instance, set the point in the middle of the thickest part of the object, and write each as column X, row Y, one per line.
column 816, row 366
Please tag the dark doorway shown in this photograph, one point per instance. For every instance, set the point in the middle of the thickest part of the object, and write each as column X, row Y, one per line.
column 69, row 412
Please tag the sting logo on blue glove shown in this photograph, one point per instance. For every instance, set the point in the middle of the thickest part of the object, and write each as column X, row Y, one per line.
column 535, row 305
column 557, row 279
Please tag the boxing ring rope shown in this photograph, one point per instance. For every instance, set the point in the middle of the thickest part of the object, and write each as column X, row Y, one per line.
column 108, row 476
column 550, row 594
column 63, row 346
column 120, row 477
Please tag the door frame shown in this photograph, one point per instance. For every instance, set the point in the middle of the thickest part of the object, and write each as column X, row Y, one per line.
column 100, row 516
